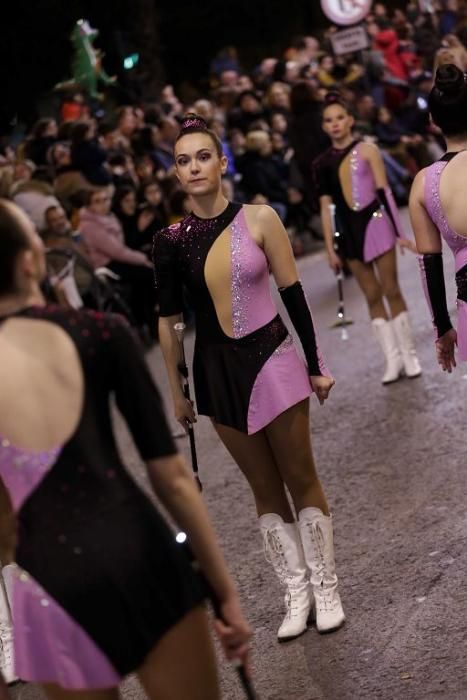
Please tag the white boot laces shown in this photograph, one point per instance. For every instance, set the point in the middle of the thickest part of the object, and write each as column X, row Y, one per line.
column 6, row 640
column 274, row 554
column 317, row 543
column 325, row 600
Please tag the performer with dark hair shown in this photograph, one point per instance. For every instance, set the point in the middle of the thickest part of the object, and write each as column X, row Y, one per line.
column 351, row 176
column 101, row 589
column 249, row 378
column 438, row 211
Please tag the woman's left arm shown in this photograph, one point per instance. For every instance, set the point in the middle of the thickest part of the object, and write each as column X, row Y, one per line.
column 276, row 245
column 430, row 248
column 372, row 154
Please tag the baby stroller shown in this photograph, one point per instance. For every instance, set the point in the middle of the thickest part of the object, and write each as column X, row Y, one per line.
column 72, row 280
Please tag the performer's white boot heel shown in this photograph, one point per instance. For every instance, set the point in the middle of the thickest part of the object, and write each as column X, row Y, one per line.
column 385, row 336
column 317, row 539
column 283, row 549
column 404, row 337
column 6, row 636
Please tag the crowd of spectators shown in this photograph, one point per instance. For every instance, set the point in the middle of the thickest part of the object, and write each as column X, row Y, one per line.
column 107, row 183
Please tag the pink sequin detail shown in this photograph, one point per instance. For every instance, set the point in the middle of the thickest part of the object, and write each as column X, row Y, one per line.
column 354, row 175
column 241, row 288
column 22, row 470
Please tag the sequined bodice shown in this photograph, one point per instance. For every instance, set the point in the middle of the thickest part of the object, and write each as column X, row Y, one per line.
column 362, row 180
column 247, row 282
column 327, row 173
column 21, row 469
column 434, row 207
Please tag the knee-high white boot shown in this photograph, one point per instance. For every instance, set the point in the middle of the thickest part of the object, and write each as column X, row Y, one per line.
column 318, row 546
column 385, row 336
column 6, row 635
column 404, row 337
column 283, row 549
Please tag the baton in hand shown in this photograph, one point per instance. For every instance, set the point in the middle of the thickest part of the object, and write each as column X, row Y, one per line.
column 342, row 321
column 182, row 367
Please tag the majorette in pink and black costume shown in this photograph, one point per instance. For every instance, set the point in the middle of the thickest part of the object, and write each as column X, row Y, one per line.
column 370, row 227
column 243, row 381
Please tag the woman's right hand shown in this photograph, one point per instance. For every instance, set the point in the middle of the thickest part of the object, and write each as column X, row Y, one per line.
column 234, row 632
column 335, row 263
column 184, row 412
column 445, row 350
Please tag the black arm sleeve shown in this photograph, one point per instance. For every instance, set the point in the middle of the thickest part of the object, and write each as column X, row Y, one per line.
column 137, row 396
column 431, row 268
column 297, row 307
column 169, row 286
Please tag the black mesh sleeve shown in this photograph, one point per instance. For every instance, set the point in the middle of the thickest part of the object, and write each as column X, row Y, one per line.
column 137, row 396
column 297, row 307
column 320, row 178
column 169, row 286
column 431, row 269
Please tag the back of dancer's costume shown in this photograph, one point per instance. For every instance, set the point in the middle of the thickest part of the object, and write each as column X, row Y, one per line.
column 457, row 243
column 99, row 578
column 247, row 375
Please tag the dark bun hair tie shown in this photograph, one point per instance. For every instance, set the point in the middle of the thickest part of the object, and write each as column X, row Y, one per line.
column 192, row 121
column 450, row 80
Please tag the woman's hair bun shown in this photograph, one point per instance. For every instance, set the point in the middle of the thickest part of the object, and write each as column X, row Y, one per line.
column 193, row 121
column 450, row 80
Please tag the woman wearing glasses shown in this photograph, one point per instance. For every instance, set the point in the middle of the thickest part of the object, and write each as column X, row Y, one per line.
column 103, row 234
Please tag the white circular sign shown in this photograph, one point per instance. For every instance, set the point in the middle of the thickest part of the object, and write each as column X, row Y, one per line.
column 346, row 11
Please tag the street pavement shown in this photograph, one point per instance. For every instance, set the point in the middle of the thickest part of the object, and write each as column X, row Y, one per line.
column 393, row 464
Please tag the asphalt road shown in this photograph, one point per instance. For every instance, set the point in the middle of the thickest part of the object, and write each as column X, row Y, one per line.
column 393, row 463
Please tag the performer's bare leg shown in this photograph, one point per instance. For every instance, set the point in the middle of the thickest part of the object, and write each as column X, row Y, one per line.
column 368, row 282
column 183, row 664
column 254, row 456
column 387, row 272
column 289, row 438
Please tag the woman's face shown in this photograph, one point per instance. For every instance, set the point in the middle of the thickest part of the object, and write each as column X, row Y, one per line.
column 384, row 116
column 127, row 123
column 153, row 194
column 279, row 123
column 145, row 169
column 337, row 122
column 51, row 129
column 128, row 204
column 327, row 63
column 100, row 202
column 277, row 141
column 198, row 165
column 279, row 97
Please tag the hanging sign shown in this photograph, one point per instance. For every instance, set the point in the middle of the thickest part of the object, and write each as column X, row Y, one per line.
column 349, row 40
column 346, row 12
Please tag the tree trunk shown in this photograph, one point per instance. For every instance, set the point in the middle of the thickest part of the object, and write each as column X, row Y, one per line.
column 149, row 72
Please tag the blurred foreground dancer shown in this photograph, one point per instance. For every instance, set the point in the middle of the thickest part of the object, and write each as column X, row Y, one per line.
column 351, row 177
column 100, row 588
column 438, row 208
column 249, row 378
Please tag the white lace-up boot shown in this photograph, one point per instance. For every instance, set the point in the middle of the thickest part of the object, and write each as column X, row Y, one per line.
column 403, row 330
column 283, row 549
column 384, row 334
column 317, row 540
column 6, row 635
